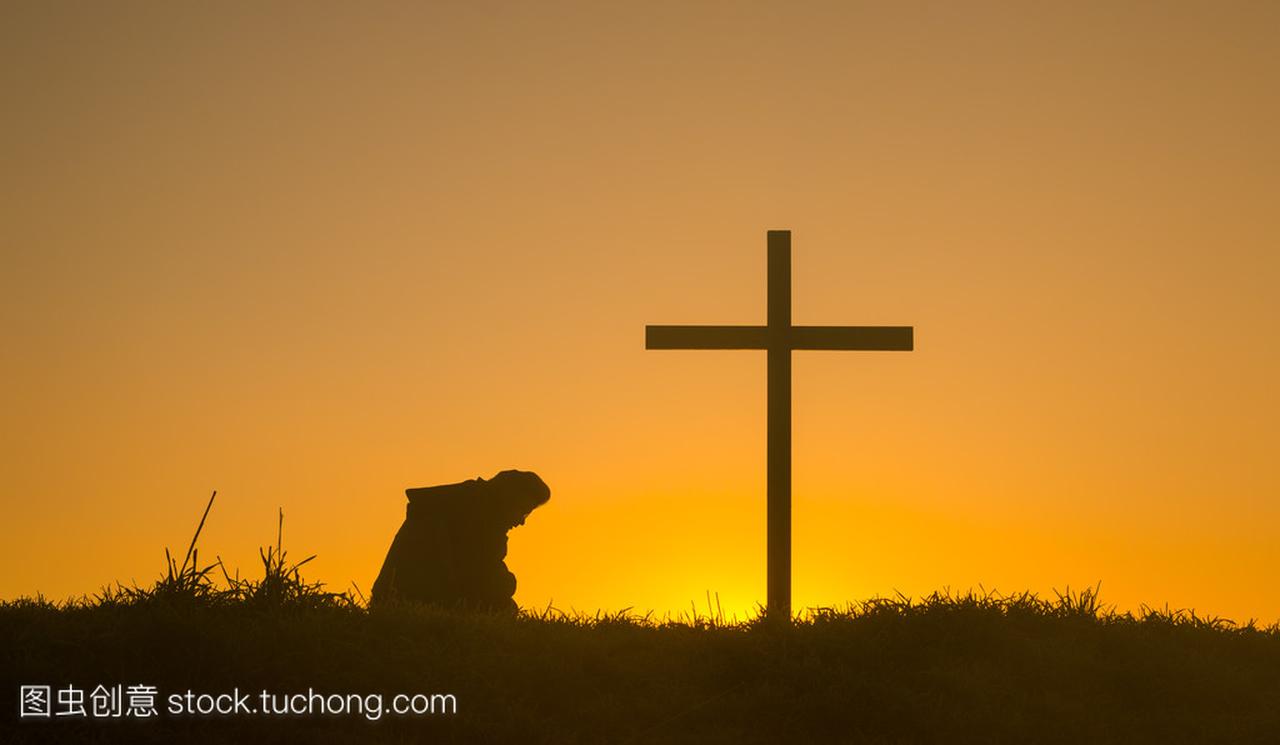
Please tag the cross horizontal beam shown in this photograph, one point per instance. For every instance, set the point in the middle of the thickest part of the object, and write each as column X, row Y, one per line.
column 706, row 337
column 850, row 338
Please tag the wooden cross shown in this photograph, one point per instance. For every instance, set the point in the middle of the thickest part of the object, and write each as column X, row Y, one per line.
column 778, row 338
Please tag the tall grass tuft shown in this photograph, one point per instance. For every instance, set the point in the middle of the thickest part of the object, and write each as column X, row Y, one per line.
column 282, row 584
column 189, row 584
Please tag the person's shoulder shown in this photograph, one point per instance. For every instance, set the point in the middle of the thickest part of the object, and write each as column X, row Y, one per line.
column 443, row 493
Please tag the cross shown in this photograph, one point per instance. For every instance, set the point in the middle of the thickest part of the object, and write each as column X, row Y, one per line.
column 778, row 338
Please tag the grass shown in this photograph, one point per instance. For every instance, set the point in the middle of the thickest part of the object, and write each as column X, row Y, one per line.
column 972, row 667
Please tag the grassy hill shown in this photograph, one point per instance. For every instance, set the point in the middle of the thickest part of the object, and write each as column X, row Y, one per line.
column 971, row 668
column 947, row 669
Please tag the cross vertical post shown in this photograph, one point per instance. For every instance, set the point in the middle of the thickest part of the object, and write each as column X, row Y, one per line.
column 778, row 467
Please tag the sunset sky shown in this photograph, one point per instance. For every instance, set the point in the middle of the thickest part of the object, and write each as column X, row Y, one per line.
column 312, row 254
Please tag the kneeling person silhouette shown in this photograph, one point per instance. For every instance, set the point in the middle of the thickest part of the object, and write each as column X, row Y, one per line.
column 451, row 547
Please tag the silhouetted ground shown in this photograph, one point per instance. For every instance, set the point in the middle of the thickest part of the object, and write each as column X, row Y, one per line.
column 948, row 669
column 965, row 669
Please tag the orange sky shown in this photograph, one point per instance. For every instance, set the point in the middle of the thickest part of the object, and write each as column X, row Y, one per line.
column 312, row 255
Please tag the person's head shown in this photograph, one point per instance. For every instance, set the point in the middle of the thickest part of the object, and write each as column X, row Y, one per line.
column 515, row 494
